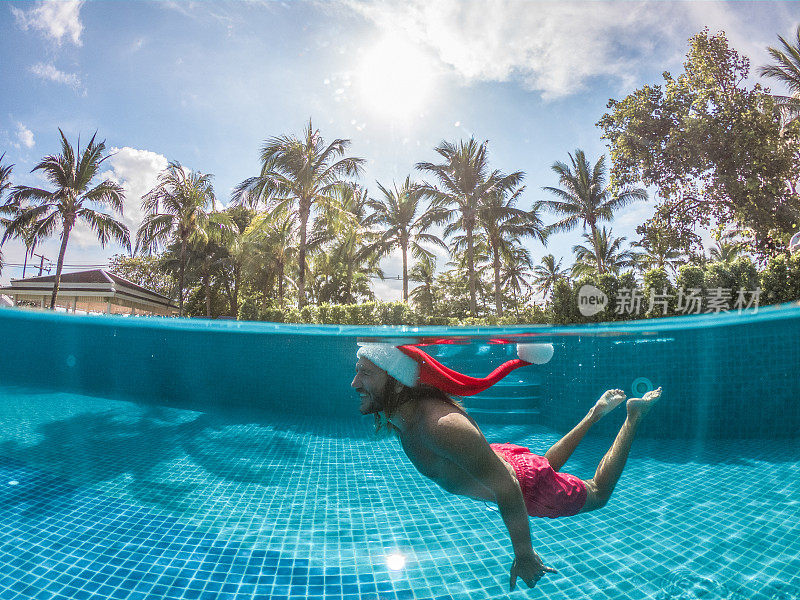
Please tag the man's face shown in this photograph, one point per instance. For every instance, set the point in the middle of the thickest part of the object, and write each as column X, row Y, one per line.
column 370, row 382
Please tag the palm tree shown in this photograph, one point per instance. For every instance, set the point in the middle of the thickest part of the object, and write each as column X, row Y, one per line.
column 10, row 209
column 424, row 295
column 603, row 253
column 300, row 174
column 345, row 248
column 72, row 174
column 271, row 246
column 546, row 274
column 727, row 248
column 516, row 271
column 176, row 212
column 505, row 226
column 659, row 248
column 465, row 182
column 235, row 253
column 786, row 69
column 397, row 214
column 584, row 196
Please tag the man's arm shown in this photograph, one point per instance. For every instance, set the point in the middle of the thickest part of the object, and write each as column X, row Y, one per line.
column 452, row 435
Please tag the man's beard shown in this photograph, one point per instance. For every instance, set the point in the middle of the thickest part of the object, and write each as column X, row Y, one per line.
column 377, row 402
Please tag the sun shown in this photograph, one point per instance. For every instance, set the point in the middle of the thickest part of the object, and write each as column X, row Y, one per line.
column 395, row 79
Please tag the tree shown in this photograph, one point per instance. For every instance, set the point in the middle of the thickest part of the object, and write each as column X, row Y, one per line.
column 343, row 248
column 399, row 213
column 234, row 253
column 42, row 212
column 424, row 295
column 661, row 246
column 546, row 274
column 300, row 174
column 5, row 183
column 505, row 226
column 270, row 247
column 711, row 146
column 727, row 248
column 176, row 212
column 146, row 271
column 602, row 254
column 584, row 196
column 516, row 271
column 465, row 182
column 786, row 69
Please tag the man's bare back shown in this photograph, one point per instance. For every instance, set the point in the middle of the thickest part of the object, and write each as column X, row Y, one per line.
column 416, row 441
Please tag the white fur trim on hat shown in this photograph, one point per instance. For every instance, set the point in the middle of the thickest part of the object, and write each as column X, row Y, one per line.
column 403, row 368
column 537, row 354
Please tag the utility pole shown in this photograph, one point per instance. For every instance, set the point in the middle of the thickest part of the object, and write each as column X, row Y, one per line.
column 41, row 263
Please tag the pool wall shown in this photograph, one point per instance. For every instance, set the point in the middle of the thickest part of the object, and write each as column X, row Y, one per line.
column 723, row 375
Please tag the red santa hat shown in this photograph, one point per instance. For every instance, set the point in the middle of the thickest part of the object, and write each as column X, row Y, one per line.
column 411, row 366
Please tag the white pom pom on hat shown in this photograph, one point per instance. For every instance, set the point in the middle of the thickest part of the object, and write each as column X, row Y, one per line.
column 537, row 354
column 411, row 366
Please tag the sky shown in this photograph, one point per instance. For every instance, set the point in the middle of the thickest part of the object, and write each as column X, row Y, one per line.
column 206, row 83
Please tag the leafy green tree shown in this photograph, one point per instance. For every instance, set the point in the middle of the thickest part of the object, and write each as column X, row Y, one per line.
column 711, row 146
column 505, row 226
column 176, row 212
column 146, row 271
column 465, row 182
column 584, row 196
column 298, row 175
column 602, row 254
column 546, row 274
column 786, row 69
column 404, row 223
column 41, row 212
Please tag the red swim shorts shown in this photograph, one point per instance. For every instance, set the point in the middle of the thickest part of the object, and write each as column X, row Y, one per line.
column 546, row 492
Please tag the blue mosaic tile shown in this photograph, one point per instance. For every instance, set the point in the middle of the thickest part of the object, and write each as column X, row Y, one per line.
column 111, row 499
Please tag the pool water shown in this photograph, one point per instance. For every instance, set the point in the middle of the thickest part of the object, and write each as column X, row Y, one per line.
column 111, row 498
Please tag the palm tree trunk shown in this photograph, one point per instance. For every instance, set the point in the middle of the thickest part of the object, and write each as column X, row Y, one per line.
column 25, row 264
column 497, row 296
column 473, row 302
column 301, row 255
column 280, row 283
column 181, row 268
column 600, row 267
column 207, row 286
column 62, row 251
column 405, row 274
column 237, row 274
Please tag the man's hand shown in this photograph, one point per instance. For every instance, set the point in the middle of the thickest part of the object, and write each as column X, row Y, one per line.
column 530, row 569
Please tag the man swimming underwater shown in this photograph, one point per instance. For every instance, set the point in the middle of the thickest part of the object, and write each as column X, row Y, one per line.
column 408, row 391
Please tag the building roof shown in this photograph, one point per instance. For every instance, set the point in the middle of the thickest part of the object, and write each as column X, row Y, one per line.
column 93, row 282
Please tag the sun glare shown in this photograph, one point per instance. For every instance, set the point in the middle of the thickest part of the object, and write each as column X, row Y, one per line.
column 395, row 79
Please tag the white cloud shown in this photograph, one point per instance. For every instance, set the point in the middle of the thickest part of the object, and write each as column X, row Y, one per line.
column 49, row 72
column 137, row 172
column 556, row 47
column 56, row 19
column 25, row 136
column 552, row 47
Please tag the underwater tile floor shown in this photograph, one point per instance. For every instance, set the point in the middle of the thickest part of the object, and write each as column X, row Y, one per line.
column 109, row 499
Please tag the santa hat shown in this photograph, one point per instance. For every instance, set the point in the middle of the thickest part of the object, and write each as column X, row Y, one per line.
column 411, row 366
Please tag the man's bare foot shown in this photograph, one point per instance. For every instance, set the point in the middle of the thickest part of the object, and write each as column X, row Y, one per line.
column 639, row 407
column 608, row 402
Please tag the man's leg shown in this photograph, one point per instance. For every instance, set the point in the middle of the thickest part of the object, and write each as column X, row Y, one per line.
column 600, row 487
column 563, row 448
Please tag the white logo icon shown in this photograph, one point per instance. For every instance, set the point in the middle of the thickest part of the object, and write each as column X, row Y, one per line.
column 591, row 300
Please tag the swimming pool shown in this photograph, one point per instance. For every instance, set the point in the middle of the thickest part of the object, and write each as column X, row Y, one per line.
column 148, row 458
